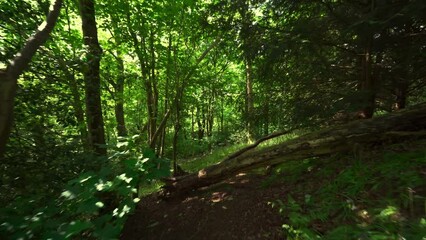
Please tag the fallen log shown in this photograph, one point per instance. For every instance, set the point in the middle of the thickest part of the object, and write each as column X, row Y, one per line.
column 387, row 128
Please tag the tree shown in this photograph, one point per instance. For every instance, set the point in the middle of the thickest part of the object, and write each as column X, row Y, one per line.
column 92, row 78
column 9, row 76
column 246, row 37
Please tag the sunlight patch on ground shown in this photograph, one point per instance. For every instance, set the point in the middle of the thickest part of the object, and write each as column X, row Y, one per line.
column 220, row 197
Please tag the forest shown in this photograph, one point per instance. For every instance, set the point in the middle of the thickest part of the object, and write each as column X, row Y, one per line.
column 213, row 119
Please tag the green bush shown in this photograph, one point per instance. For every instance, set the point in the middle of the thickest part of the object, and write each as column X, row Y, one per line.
column 93, row 205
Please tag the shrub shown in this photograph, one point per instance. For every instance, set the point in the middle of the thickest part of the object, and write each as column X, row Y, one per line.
column 93, row 205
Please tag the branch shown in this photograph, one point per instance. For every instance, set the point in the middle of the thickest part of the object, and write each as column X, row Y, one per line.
column 9, row 76
column 255, row 144
column 201, row 58
column 23, row 58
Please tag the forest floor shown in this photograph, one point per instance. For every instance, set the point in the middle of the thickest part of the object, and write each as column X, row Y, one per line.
column 378, row 193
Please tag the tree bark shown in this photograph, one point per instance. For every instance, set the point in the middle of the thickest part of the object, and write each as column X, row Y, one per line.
column 177, row 127
column 9, row 76
column 163, row 126
column 367, row 83
column 119, row 98
column 249, row 101
column 391, row 127
column 119, row 117
column 152, row 93
column 92, row 79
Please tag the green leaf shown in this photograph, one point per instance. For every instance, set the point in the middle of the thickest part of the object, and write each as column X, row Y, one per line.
column 109, row 231
column 75, row 227
column 122, row 144
column 88, row 207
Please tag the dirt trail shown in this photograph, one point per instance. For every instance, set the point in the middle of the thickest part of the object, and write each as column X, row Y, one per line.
column 235, row 209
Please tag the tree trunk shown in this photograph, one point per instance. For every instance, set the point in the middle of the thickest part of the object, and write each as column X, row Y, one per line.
column 92, row 79
column 392, row 127
column 192, row 123
column 249, row 101
column 367, row 88
column 119, row 99
column 266, row 114
column 401, row 93
column 210, row 115
column 167, row 95
column 200, row 132
column 177, row 127
column 221, row 114
column 8, row 86
column 119, row 117
column 9, row 76
column 246, row 36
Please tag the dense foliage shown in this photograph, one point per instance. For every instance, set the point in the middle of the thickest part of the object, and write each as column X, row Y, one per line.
column 186, row 77
column 93, row 205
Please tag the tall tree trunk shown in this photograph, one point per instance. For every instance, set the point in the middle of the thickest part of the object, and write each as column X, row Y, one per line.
column 167, row 95
column 246, row 36
column 119, row 99
column 367, row 83
column 192, row 123
column 221, row 114
column 266, row 115
column 119, row 117
column 402, row 82
column 249, row 101
column 92, row 79
column 210, row 114
column 177, row 128
column 152, row 93
column 199, row 123
column 9, row 76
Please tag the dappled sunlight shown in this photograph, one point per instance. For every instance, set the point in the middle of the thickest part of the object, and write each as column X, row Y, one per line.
column 202, row 173
column 121, row 212
column 68, row 195
column 364, row 215
column 189, row 199
column 217, row 197
column 240, row 178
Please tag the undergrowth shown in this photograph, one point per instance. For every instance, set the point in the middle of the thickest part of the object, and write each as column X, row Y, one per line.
column 95, row 205
column 381, row 196
column 196, row 164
